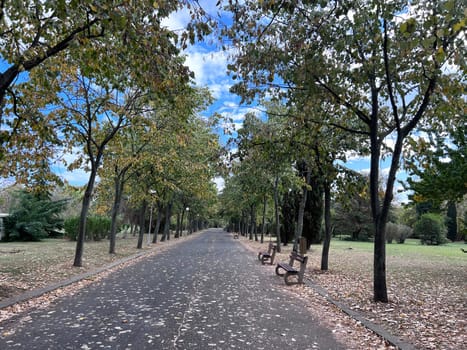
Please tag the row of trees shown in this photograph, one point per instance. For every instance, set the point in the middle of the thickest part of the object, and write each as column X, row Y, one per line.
column 366, row 77
column 106, row 82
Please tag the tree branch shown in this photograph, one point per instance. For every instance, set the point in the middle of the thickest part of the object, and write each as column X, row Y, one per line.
column 360, row 114
column 388, row 77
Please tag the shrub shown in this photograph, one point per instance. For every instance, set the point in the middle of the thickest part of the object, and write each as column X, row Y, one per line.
column 97, row 228
column 391, row 231
column 404, row 232
column 431, row 230
column 397, row 232
column 33, row 216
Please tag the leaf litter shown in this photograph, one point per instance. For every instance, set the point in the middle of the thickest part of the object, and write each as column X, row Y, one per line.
column 427, row 306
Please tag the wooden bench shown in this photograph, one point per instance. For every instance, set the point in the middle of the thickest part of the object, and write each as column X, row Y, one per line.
column 289, row 270
column 269, row 255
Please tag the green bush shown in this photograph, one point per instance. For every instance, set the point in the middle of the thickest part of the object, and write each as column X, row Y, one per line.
column 97, row 228
column 391, row 231
column 431, row 230
column 71, row 228
column 33, row 216
column 397, row 232
column 404, row 233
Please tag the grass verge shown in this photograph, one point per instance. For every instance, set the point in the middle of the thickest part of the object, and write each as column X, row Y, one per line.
column 29, row 265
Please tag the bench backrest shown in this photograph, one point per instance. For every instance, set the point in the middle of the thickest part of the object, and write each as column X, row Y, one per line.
column 302, row 259
column 271, row 248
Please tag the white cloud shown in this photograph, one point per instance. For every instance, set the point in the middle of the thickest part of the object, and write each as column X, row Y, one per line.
column 77, row 177
column 220, row 89
column 209, row 67
column 177, row 20
column 220, row 183
column 365, row 171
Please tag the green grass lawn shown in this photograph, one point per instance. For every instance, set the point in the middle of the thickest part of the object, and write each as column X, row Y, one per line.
column 411, row 248
column 28, row 265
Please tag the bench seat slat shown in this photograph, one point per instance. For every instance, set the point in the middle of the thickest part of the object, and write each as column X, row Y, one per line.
column 287, row 267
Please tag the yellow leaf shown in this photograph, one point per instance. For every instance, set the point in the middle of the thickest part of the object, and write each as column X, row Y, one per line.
column 458, row 26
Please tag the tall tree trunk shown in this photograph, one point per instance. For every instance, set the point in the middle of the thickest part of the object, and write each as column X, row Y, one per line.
column 380, row 217
column 142, row 224
column 182, row 219
column 166, row 233
column 178, row 228
column 451, row 221
column 151, row 211
column 379, row 258
column 118, row 182
column 263, row 220
column 276, row 213
column 301, row 210
column 78, row 262
column 158, row 222
column 252, row 220
column 313, row 215
column 327, row 226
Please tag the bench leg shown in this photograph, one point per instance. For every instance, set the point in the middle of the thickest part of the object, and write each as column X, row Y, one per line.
column 278, row 273
column 289, row 282
column 265, row 259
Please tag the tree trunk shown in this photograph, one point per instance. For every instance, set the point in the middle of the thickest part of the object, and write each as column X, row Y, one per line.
column 78, row 262
column 451, row 221
column 252, row 221
column 151, row 211
column 158, row 222
column 301, row 211
column 142, row 224
column 288, row 209
column 182, row 219
column 327, row 226
column 379, row 258
column 263, row 220
column 166, row 233
column 313, row 215
column 177, row 230
column 276, row 213
column 380, row 218
column 115, row 209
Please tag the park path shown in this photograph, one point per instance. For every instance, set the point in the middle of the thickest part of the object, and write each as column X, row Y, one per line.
column 205, row 293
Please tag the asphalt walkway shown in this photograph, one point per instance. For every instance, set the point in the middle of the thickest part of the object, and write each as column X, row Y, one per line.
column 205, row 293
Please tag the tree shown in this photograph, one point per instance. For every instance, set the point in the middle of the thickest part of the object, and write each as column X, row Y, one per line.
column 168, row 154
column 34, row 216
column 127, row 33
column 451, row 221
column 431, row 230
column 439, row 168
column 98, row 113
column 381, row 64
column 352, row 206
column 123, row 152
column 265, row 161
